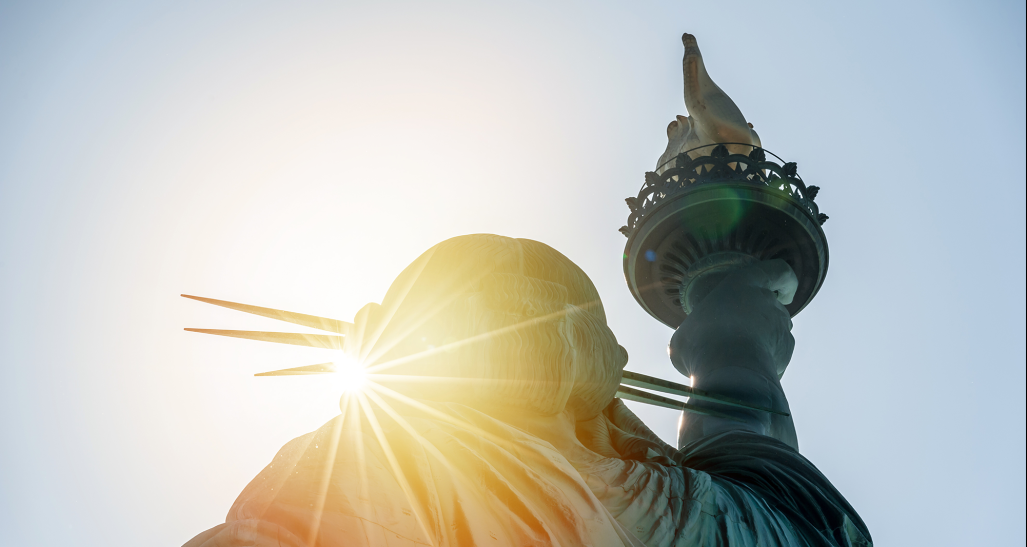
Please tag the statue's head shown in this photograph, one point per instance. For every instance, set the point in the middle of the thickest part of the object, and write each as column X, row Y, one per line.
column 496, row 322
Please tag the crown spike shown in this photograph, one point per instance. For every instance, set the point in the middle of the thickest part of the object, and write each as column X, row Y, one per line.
column 325, row 341
column 323, row 368
column 312, row 321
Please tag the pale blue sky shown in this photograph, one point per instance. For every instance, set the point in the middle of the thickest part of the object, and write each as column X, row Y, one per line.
column 299, row 154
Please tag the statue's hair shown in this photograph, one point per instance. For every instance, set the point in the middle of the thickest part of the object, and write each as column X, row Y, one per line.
column 495, row 320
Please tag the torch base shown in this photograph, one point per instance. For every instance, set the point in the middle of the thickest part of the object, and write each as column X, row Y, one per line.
column 691, row 240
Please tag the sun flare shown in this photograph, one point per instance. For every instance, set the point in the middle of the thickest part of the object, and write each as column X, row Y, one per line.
column 349, row 375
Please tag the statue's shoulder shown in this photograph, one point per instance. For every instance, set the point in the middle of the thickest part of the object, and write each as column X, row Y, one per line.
column 421, row 475
column 344, row 477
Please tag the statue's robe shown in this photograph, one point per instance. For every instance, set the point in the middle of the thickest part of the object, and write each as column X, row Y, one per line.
column 735, row 488
column 454, row 476
column 457, row 477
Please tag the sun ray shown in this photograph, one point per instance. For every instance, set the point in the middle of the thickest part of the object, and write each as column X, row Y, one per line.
column 452, row 380
column 427, row 409
column 322, row 494
column 312, row 321
column 326, row 341
column 426, row 313
column 423, row 315
column 390, row 311
column 379, row 367
column 500, row 442
column 429, row 447
column 355, row 416
column 387, row 408
column 394, row 463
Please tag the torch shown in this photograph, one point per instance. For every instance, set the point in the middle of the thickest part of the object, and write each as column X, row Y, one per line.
column 717, row 201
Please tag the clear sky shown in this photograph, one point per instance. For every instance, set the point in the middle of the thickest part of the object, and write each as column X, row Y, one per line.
column 299, row 154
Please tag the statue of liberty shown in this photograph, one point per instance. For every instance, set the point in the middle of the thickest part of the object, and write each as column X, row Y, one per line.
column 490, row 417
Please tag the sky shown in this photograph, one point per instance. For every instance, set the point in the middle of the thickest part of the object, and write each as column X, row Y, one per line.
column 298, row 155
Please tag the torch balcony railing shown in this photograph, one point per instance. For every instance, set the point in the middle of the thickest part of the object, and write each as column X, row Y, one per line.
column 691, row 169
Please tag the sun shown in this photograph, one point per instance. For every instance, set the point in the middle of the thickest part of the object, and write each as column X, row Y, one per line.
column 349, row 375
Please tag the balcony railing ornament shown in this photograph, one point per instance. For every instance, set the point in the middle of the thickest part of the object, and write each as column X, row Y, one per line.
column 690, row 169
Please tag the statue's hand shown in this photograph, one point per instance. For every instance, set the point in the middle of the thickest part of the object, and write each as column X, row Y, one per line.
column 742, row 322
column 618, row 433
column 597, row 436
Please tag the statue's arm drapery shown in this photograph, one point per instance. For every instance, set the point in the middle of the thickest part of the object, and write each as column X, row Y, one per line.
column 735, row 488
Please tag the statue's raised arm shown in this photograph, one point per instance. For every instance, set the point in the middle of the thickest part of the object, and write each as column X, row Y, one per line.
column 737, row 480
column 716, row 225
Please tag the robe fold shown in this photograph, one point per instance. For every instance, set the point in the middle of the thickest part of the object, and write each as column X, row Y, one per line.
column 453, row 477
column 448, row 475
column 735, row 488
